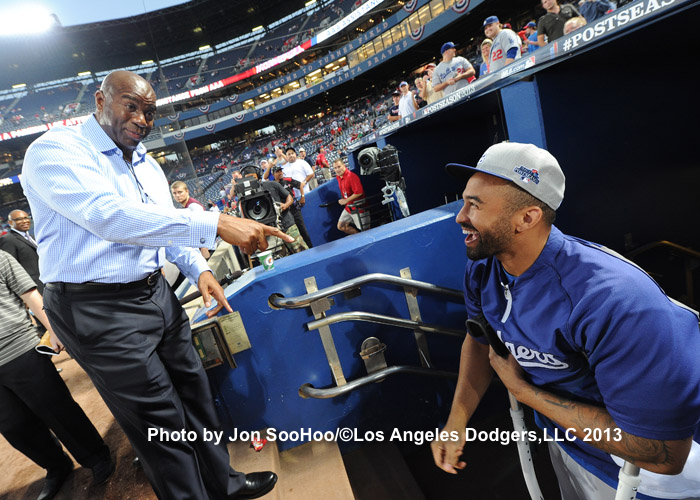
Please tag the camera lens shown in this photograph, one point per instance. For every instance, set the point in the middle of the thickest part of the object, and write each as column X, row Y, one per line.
column 257, row 209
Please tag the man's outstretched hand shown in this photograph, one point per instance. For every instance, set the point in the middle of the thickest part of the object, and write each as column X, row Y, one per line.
column 247, row 234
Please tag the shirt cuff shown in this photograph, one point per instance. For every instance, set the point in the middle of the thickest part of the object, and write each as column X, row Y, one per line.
column 203, row 229
column 198, row 267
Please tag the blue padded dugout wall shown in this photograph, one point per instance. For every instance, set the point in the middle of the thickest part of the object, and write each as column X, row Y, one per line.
column 262, row 391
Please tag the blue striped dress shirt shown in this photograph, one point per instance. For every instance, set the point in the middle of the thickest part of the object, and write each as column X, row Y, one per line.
column 97, row 219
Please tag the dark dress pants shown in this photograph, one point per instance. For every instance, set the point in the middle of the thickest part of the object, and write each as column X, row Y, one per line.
column 136, row 346
column 34, row 401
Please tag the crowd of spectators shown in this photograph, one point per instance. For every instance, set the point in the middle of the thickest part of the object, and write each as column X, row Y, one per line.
column 322, row 138
column 184, row 74
column 489, row 51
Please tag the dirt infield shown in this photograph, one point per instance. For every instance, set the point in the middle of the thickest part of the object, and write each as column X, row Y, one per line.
column 22, row 479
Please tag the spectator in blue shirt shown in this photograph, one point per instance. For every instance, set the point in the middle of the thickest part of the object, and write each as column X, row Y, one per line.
column 531, row 36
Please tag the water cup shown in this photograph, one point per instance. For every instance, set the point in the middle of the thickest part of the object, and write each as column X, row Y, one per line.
column 266, row 260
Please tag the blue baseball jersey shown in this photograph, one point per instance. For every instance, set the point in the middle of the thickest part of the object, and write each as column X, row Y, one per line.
column 588, row 325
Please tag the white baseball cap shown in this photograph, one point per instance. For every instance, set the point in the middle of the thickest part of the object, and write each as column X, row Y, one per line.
column 525, row 165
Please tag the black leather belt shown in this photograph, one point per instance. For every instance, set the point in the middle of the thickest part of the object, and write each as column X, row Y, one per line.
column 149, row 280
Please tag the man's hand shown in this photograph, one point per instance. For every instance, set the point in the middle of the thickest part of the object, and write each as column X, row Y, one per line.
column 208, row 287
column 661, row 457
column 247, row 234
column 446, row 453
column 509, row 371
column 302, row 200
column 56, row 344
column 343, row 201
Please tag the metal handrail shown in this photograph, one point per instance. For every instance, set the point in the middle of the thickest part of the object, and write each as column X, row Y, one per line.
column 383, row 320
column 663, row 243
column 279, row 301
column 309, row 391
column 687, row 254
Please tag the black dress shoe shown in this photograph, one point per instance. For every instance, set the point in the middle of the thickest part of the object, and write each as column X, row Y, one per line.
column 55, row 477
column 102, row 471
column 256, row 485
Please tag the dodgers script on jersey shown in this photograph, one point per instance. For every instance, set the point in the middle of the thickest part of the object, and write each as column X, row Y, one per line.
column 444, row 71
column 506, row 40
column 586, row 324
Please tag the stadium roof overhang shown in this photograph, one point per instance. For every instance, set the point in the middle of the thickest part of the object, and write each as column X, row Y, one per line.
column 66, row 51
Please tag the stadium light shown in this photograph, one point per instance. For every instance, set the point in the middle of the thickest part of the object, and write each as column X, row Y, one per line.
column 19, row 86
column 84, row 73
column 257, row 28
column 310, row 2
column 26, row 19
column 144, row 63
column 204, row 47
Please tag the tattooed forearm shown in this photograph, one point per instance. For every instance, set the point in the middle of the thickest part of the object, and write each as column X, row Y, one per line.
column 665, row 457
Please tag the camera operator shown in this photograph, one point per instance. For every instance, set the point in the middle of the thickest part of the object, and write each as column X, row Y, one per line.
column 292, row 185
column 285, row 200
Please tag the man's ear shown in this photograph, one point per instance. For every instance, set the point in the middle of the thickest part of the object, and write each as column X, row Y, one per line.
column 528, row 218
column 99, row 100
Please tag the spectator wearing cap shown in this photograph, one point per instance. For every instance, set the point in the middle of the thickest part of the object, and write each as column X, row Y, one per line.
column 426, row 90
column 485, row 53
column 299, row 170
column 506, row 44
column 531, row 36
column 302, row 154
column 394, row 110
column 453, row 72
column 594, row 9
column 551, row 25
column 407, row 102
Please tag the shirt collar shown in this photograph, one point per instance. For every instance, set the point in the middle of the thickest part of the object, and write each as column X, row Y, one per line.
column 99, row 138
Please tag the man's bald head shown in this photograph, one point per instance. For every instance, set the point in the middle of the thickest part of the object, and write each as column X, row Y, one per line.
column 122, row 77
column 126, row 107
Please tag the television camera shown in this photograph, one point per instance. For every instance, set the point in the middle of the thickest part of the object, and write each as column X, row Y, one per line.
column 385, row 162
column 256, row 203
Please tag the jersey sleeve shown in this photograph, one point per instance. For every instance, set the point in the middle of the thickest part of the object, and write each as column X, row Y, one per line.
column 514, row 41
column 472, row 293
column 643, row 350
